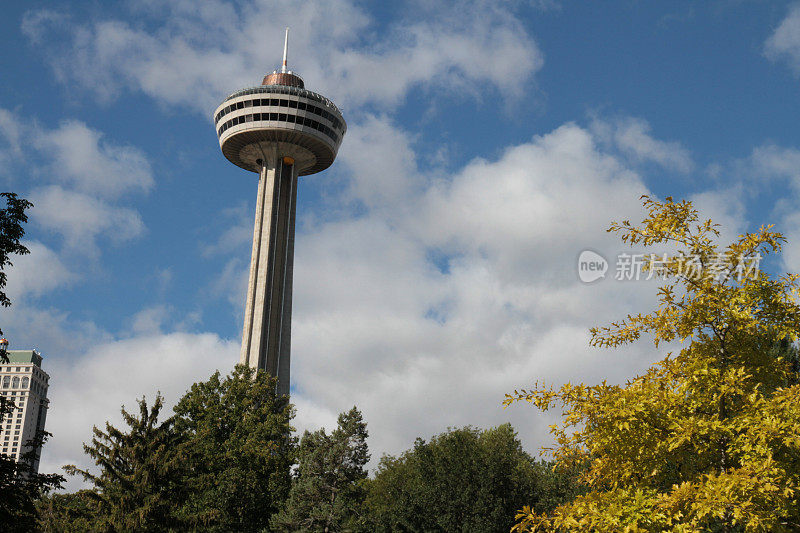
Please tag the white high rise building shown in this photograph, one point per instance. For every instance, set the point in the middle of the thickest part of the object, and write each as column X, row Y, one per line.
column 23, row 382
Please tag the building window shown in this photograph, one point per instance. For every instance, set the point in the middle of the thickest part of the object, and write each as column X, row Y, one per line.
column 6, row 382
column 15, row 382
column 25, row 383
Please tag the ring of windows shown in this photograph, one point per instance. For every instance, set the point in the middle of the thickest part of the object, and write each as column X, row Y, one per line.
column 284, row 89
column 281, row 102
column 279, row 117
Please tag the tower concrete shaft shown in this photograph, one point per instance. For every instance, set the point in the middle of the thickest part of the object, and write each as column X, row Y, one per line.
column 266, row 339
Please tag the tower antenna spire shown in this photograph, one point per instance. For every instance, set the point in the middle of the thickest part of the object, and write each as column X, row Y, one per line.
column 285, row 49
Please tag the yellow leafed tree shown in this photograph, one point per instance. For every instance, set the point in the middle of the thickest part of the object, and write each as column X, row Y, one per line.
column 707, row 439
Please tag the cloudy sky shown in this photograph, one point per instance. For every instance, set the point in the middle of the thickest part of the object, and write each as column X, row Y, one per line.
column 488, row 144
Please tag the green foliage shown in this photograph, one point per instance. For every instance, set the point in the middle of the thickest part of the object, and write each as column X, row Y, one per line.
column 462, row 480
column 328, row 490
column 11, row 231
column 74, row 512
column 706, row 440
column 139, row 485
column 220, row 463
column 21, row 486
column 239, row 451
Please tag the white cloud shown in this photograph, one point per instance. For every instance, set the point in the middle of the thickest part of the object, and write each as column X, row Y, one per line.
column 485, row 47
column 10, row 132
column 232, row 282
column 541, row 196
column 150, row 321
column 49, row 330
column 36, row 273
column 237, row 234
column 790, row 227
column 382, row 174
column 81, row 219
column 81, row 158
column 770, row 165
column 770, row 161
column 724, row 207
column 214, row 50
column 784, row 43
column 82, row 173
column 632, row 136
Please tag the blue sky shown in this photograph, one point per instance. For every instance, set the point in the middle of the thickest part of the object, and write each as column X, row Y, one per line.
column 488, row 144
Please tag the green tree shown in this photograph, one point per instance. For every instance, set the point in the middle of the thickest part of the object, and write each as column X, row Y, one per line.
column 21, row 486
column 139, row 484
column 239, row 451
column 706, row 440
column 12, row 216
column 462, row 480
column 328, row 491
column 77, row 512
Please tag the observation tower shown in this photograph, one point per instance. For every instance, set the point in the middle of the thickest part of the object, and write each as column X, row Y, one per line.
column 280, row 130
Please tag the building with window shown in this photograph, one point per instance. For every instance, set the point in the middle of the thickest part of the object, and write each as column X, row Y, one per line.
column 24, row 383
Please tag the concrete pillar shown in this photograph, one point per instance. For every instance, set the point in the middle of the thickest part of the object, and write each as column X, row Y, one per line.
column 266, row 339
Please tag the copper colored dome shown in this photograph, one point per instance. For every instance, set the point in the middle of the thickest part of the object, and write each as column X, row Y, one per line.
column 283, row 78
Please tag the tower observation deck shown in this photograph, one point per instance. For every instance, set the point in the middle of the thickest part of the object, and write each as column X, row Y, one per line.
column 279, row 130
